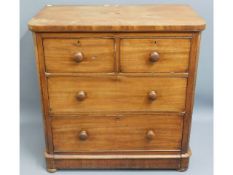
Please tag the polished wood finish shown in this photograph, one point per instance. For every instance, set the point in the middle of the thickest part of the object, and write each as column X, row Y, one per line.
column 81, row 95
column 120, row 161
column 190, row 93
column 50, row 170
column 83, row 135
column 116, row 35
column 39, row 54
column 152, row 95
column 121, row 133
column 117, row 84
column 104, row 18
column 154, row 56
column 172, row 53
column 79, row 55
column 112, row 93
column 120, row 155
column 150, row 134
column 117, row 164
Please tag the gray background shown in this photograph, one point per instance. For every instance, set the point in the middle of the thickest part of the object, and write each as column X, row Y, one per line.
column 32, row 141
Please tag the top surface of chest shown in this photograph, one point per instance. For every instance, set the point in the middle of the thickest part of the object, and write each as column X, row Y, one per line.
column 117, row 18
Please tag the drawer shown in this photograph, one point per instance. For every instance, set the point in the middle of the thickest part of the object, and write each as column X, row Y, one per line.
column 155, row 55
column 115, row 93
column 117, row 133
column 79, row 55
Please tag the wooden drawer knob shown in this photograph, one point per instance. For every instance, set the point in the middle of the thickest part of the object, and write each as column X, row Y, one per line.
column 78, row 57
column 152, row 95
column 81, row 95
column 154, row 56
column 150, row 134
column 83, row 135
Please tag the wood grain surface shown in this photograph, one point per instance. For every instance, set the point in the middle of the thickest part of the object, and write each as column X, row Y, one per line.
column 117, row 18
column 98, row 55
column 118, row 164
column 173, row 55
column 103, row 98
column 114, row 133
column 116, row 93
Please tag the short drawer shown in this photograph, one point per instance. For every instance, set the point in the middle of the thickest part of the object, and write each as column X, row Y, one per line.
column 155, row 55
column 117, row 133
column 79, row 55
column 116, row 93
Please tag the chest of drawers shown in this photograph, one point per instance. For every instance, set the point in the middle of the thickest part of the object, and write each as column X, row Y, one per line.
column 117, row 84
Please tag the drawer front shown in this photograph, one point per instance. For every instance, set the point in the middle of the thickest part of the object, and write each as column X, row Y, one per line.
column 120, row 93
column 79, row 55
column 112, row 133
column 155, row 55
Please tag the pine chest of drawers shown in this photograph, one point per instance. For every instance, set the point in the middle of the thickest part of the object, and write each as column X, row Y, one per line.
column 117, row 84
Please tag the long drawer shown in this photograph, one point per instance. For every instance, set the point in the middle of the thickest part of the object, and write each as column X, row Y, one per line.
column 116, row 93
column 117, row 133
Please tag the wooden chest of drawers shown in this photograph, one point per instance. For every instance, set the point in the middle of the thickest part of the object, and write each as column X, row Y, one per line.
column 117, row 84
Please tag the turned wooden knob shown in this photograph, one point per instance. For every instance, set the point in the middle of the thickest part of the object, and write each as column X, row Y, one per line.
column 83, row 135
column 152, row 95
column 150, row 134
column 78, row 57
column 81, row 95
column 154, row 56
